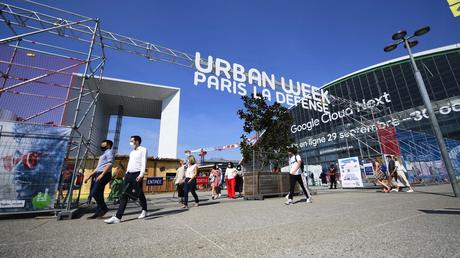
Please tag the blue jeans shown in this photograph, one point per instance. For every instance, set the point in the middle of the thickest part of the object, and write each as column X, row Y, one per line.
column 98, row 192
column 190, row 187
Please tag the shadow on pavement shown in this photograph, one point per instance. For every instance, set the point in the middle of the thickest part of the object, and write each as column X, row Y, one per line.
column 208, row 203
column 442, row 212
column 442, row 194
column 164, row 213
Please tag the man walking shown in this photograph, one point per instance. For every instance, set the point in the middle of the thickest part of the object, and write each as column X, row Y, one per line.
column 295, row 171
column 133, row 180
column 392, row 171
column 100, row 177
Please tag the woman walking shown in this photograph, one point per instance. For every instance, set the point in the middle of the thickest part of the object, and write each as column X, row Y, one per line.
column 179, row 181
column 190, row 181
column 230, row 174
column 215, row 181
column 380, row 176
column 400, row 170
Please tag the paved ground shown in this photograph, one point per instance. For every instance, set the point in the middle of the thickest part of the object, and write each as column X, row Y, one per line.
column 351, row 223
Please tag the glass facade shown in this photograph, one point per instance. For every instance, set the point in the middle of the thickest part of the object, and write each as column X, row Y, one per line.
column 382, row 94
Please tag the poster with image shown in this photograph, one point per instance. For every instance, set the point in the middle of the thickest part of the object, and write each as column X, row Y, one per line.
column 350, row 172
column 31, row 160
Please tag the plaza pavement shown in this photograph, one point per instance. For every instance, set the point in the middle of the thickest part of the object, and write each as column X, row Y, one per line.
column 340, row 223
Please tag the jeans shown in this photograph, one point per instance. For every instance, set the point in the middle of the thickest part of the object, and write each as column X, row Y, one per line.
column 98, row 191
column 333, row 182
column 190, row 187
column 294, row 179
column 131, row 189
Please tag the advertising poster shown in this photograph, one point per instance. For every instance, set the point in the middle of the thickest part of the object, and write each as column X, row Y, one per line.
column 368, row 170
column 350, row 172
column 31, row 160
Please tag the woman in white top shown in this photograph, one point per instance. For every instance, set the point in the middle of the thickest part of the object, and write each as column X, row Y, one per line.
column 190, row 181
column 400, row 169
column 230, row 174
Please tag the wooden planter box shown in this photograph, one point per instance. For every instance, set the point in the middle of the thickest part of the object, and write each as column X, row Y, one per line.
column 265, row 184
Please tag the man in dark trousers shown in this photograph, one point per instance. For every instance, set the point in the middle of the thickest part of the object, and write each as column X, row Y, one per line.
column 392, row 171
column 333, row 176
column 101, row 176
column 133, row 180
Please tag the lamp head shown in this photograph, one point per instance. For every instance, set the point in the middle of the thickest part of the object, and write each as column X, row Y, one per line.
column 422, row 31
column 412, row 43
column 390, row 48
column 399, row 35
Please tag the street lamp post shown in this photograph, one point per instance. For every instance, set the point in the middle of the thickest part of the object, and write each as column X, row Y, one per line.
column 401, row 37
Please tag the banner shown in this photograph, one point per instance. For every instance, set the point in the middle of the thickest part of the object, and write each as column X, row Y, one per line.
column 31, row 160
column 388, row 140
column 350, row 172
column 202, row 180
column 154, row 181
column 368, row 170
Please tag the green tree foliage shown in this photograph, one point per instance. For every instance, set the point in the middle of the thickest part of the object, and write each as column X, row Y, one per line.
column 272, row 122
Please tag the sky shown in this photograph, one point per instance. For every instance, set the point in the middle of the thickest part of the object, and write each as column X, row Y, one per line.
column 309, row 41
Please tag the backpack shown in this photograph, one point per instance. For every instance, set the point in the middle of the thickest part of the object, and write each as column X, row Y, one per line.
column 301, row 164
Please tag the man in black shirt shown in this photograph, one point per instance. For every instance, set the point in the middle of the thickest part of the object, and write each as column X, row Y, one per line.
column 392, row 171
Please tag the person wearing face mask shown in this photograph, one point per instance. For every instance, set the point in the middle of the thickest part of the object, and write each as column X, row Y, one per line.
column 133, row 180
column 102, row 176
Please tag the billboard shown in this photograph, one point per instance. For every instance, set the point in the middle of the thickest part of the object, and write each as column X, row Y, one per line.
column 31, row 160
column 350, row 172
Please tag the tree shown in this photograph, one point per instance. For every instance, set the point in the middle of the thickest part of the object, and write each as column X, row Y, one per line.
column 272, row 122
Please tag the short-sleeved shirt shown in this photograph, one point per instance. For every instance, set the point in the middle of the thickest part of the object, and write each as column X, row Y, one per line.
column 105, row 159
column 292, row 160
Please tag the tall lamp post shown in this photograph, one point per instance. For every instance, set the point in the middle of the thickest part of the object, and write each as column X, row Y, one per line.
column 401, row 38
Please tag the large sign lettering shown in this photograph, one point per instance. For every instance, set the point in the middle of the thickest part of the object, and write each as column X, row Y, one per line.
column 234, row 78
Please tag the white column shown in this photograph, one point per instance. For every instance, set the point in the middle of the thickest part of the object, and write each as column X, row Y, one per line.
column 169, row 127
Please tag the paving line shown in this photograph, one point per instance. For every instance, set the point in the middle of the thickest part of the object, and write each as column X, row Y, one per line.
column 209, row 240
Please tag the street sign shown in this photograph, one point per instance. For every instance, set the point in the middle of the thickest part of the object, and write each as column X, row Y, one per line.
column 154, row 181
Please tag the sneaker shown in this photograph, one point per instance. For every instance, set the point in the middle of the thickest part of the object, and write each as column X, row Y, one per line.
column 287, row 197
column 196, row 204
column 309, row 200
column 394, row 190
column 143, row 214
column 112, row 220
column 219, row 195
column 410, row 191
column 288, row 202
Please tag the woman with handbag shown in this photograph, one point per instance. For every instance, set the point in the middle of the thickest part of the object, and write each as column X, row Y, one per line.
column 230, row 175
column 214, row 179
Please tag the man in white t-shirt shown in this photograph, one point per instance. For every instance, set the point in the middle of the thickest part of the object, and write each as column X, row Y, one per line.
column 295, row 175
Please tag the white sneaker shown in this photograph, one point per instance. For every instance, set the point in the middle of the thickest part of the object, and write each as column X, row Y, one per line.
column 288, row 202
column 112, row 220
column 143, row 214
column 394, row 190
column 410, row 191
column 309, row 200
column 287, row 197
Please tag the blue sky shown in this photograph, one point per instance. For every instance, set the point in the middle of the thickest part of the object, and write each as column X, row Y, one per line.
column 310, row 41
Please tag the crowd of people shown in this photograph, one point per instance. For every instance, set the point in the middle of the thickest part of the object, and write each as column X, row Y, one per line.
column 393, row 176
column 128, row 184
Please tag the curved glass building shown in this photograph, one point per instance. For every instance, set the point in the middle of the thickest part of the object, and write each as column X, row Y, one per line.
column 379, row 110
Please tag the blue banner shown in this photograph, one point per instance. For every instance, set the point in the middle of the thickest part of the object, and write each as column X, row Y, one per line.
column 154, row 181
